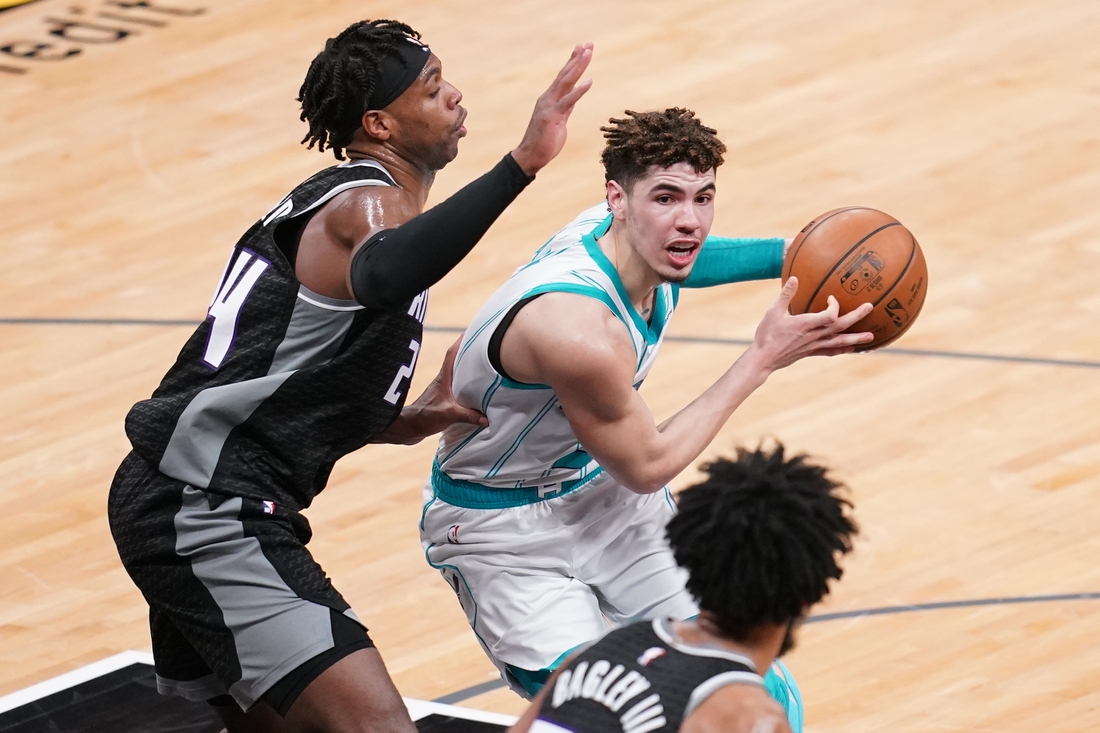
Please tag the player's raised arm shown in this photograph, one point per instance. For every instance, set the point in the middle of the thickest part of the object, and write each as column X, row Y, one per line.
column 576, row 346
column 391, row 266
column 546, row 132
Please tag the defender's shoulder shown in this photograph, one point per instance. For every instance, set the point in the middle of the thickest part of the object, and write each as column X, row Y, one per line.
column 737, row 709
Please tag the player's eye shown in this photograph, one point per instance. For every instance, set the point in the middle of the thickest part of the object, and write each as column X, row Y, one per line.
column 434, row 94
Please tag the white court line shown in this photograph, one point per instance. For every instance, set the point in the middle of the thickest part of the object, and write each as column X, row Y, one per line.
column 71, row 679
column 417, row 708
column 422, row 708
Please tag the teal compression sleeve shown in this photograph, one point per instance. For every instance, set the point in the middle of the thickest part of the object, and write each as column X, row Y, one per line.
column 724, row 260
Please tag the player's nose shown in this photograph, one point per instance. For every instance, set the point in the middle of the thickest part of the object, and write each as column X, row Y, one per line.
column 688, row 219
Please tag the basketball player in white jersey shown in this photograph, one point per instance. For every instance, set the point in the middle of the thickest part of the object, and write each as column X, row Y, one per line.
column 548, row 522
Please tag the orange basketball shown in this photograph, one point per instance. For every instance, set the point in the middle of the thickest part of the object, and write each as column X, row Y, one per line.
column 859, row 255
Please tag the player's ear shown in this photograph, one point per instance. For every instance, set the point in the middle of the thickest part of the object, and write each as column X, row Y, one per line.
column 616, row 199
column 378, row 124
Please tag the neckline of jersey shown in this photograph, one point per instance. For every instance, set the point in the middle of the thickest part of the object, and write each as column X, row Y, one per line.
column 664, row 633
column 651, row 330
column 369, row 163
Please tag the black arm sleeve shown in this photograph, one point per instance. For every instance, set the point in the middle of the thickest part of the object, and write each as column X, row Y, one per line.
column 396, row 265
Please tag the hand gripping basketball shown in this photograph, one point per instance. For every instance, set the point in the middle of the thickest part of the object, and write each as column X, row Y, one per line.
column 858, row 254
column 782, row 339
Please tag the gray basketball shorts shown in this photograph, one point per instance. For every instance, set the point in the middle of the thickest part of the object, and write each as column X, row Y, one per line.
column 237, row 605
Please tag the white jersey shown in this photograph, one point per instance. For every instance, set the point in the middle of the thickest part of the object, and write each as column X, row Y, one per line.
column 529, row 443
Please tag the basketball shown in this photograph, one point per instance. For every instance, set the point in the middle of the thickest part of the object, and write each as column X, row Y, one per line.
column 859, row 255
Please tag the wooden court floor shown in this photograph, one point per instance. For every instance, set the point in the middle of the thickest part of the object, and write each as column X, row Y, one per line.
column 972, row 450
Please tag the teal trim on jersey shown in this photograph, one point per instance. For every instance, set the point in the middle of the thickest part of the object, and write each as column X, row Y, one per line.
column 532, row 681
column 675, row 295
column 522, row 435
column 541, row 256
column 724, row 260
column 470, row 341
column 576, row 459
column 670, row 500
column 780, row 684
column 593, row 291
column 463, row 444
column 424, row 512
column 660, row 309
column 489, row 394
column 473, row 625
column 470, row 495
column 513, row 384
column 603, row 295
column 484, row 405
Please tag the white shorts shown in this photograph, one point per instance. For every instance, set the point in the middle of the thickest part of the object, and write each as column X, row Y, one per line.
column 540, row 579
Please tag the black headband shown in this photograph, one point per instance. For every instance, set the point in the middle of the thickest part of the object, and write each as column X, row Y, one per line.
column 397, row 71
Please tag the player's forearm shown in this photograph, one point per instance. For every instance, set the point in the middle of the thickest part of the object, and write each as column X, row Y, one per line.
column 397, row 265
column 408, row 429
column 677, row 443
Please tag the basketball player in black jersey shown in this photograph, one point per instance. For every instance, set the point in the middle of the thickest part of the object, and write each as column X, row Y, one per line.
column 306, row 354
column 760, row 539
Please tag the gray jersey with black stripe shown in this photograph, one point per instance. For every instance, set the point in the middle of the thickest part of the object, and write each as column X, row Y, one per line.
column 279, row 382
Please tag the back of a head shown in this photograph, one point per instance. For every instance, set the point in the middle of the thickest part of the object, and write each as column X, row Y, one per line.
column 343, row 80
column 760, row 538
column 642, row 140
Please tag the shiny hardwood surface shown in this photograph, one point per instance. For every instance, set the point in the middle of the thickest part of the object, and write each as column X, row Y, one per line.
column 128, row 171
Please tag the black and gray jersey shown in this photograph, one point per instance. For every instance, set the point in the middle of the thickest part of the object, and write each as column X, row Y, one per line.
column 638, row 679
column 279, row 382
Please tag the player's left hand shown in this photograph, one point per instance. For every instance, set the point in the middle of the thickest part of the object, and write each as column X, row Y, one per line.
column 546, row 132
column 434, row 410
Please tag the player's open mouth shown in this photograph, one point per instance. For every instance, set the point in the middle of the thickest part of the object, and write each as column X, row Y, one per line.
column 682, row 253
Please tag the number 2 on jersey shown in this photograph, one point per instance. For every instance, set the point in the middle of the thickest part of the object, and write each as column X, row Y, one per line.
column 394, row 394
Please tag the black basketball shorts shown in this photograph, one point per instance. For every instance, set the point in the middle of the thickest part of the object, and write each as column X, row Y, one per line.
column 237, row 605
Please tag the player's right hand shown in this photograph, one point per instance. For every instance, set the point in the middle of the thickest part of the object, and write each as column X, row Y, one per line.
column 433, row 411
column 546, row 132
column 782, row 339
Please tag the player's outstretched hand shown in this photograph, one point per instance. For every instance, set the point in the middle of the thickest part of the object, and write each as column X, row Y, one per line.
column 782, row 339
column 545, row 136
column 434, row 410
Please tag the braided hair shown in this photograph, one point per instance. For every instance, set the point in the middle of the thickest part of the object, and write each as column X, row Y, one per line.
column 760, row 539
column 342, row 78
column 658, row 138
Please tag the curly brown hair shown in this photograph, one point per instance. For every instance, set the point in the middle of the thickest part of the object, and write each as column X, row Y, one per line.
column 663, row 138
